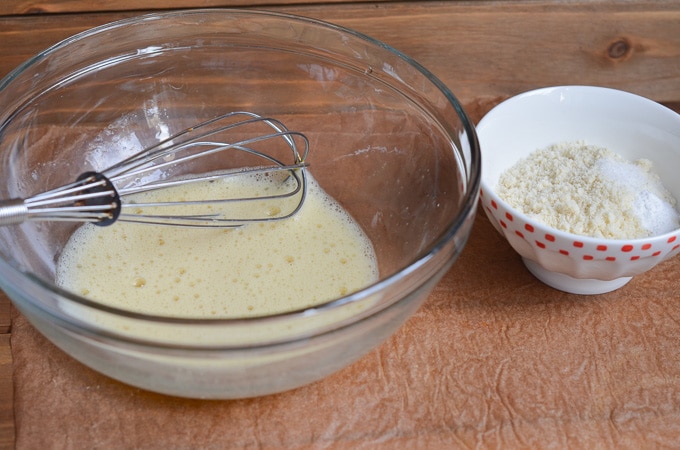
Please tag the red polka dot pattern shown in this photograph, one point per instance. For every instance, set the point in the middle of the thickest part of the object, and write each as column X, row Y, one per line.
column 542, row 240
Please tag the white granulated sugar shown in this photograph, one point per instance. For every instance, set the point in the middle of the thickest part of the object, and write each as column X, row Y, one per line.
column 590, row 191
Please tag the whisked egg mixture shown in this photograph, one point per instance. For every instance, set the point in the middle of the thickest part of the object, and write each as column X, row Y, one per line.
column 260, row 268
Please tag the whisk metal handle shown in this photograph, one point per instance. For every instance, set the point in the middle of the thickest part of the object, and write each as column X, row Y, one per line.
column 13, row 211
column 92, row 198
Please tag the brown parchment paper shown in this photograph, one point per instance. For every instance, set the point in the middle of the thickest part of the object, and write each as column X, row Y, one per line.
column 494, row 359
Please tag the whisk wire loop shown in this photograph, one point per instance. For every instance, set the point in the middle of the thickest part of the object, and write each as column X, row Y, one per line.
column 190, row 156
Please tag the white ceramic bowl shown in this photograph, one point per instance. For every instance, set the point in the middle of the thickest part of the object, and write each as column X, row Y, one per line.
column 630, row 125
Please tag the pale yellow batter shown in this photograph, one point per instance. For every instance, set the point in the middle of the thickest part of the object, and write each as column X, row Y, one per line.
column 253, row 270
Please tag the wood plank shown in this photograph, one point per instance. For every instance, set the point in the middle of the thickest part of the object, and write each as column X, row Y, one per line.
column 5, row 318
column 24, row 7
column 6, row 394
column 482, row 50
column 488, row 50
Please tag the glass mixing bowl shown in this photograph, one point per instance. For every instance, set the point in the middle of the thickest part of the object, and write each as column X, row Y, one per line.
column 388, row 141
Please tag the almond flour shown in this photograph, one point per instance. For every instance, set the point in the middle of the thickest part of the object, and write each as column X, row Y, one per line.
column 590, row 191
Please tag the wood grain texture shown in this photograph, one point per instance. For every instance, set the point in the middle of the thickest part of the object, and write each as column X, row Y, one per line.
column 25, row 7
column 5, row 319
column 483, row 51
column 497, row 49
column 6, row 392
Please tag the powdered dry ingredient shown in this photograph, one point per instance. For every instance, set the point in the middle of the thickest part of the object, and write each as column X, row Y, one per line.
column 591, row 191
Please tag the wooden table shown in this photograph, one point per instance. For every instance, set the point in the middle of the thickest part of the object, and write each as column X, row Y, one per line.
column 484, row 51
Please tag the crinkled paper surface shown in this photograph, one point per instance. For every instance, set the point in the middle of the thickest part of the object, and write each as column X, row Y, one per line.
column 494, row 359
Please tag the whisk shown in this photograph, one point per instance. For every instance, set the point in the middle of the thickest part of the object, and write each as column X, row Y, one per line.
column 194, row 155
